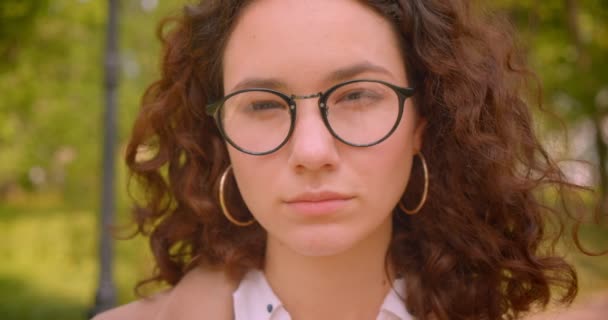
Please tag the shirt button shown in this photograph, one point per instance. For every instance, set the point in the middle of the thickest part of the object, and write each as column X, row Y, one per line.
column 269, row 308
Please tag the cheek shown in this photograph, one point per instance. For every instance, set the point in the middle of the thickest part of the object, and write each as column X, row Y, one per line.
column 388, row 176
column 254, row 180
column 388, row 165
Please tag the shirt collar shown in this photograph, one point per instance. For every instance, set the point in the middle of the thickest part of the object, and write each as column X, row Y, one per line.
column 393, row 303
column 255, row 300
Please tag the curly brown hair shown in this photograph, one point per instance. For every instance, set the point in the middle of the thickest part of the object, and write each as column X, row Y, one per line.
column 476, row 248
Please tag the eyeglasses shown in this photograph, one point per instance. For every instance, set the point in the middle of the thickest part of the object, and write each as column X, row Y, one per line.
column 359, row 113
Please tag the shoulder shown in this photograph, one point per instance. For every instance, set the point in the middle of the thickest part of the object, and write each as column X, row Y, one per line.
column 142, row 309
column 199, row 292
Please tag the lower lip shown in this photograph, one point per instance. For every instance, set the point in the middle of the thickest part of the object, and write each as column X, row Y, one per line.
column 317, row 208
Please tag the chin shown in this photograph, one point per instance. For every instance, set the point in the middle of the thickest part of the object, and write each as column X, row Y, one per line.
column 320, row 243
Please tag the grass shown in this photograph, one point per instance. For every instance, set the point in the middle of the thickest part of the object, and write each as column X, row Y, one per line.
column 49, row 261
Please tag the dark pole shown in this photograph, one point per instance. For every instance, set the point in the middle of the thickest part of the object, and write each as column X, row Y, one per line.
column 105, row 297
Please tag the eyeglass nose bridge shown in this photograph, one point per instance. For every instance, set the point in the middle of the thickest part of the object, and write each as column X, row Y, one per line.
column 294, row 97
column 322, row 109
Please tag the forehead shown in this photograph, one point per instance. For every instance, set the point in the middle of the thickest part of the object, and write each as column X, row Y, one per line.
column 300, row 41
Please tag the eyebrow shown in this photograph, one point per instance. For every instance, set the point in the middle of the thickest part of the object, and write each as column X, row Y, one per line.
column 352, row 71
column 338, row 75
column 268, row 83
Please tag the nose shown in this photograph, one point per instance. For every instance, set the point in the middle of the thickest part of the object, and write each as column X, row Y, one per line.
column 312, row 147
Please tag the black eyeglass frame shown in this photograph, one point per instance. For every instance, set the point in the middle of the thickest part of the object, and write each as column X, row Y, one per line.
column 214, row 110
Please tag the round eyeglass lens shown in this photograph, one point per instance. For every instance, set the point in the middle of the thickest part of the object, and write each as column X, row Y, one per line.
column 255, row 121
column 362, row 113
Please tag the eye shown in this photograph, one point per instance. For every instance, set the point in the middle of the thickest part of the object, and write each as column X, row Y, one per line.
column 354, row 95
column 266, row 105
column 357, row 96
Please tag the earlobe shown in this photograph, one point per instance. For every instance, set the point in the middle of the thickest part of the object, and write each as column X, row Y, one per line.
column 419, row 133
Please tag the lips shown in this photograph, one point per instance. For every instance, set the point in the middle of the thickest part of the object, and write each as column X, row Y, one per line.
column 318, row 197
column 318, row 203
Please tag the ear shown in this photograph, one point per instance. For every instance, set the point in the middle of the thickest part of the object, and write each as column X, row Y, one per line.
column 419, row 134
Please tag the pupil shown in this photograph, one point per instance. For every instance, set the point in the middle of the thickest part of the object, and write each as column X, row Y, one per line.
column 354, row 96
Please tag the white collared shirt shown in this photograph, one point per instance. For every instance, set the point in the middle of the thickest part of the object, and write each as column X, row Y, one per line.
column 254, row 300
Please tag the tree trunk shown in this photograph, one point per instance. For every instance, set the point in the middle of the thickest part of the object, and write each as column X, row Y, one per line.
column 602, row 152
column 105, row 297
column 584, row 63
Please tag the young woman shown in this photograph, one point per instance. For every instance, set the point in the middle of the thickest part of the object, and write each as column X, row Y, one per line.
column 313, row 159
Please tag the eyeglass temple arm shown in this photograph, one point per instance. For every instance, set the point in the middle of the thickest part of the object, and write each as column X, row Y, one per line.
column 407, row 92
column 211, row 108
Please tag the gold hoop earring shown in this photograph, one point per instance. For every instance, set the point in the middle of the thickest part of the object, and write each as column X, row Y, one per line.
column 424, row 192
column 223, row 202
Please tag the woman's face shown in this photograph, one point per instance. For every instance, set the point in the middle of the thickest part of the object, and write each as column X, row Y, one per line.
column 316, row 195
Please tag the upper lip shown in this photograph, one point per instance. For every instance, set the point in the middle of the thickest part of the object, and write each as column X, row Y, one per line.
column 318, row 196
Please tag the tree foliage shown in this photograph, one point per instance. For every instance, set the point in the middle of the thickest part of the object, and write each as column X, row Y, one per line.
column 17, row 19
column 567, row 44
column 51, row 73
column 52, row 90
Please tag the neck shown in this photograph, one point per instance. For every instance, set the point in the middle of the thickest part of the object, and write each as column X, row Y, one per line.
column 349, row 285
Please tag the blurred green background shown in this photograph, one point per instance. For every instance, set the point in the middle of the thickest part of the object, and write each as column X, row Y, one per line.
column 51, row 107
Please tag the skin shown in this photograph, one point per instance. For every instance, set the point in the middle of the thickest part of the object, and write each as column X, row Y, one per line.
column 201, row 294
column 338, row 252
column 321, row 266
